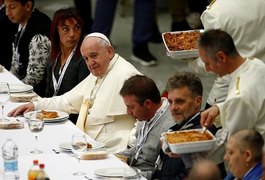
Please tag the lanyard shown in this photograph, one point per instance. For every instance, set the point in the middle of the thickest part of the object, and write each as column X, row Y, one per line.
column 57, row 84
column 155, row 119
column 2, row 6
column 20, row 33
column 186, row 125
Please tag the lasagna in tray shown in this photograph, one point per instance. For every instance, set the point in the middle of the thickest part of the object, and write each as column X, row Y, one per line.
column 189, row 141
column 181, row 44
column 188, row 136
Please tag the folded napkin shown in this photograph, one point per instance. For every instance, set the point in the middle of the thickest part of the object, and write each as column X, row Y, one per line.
column 23, row 97
column 94, row 155
column 11, row 123
column 82, row 117
column 122, row 157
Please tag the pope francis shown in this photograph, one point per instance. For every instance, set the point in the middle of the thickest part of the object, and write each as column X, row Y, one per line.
column 102, row 113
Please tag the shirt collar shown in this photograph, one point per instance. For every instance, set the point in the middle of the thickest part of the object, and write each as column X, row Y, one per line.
column 2, row 6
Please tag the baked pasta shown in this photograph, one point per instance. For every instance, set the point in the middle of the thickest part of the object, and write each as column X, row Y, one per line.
column 46, row 114
column 187, row 136
column 182, row 40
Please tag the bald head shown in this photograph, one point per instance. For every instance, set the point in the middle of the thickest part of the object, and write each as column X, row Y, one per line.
column 250, row 139
column 205, row 170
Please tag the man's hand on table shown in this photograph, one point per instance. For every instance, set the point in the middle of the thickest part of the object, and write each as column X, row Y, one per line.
column 21, row 109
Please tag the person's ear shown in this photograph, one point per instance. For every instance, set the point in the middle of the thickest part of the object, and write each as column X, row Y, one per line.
column 29, row 6
column 249, row 155
column 110, row 51
column 147, row 103
column 221, row 57
column 198, row 100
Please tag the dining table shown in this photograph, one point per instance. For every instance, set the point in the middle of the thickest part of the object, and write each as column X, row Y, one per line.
column 59, row 164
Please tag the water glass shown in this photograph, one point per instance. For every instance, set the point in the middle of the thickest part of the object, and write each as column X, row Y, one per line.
column 79, row 147
column 4, row 97
column 35, row 125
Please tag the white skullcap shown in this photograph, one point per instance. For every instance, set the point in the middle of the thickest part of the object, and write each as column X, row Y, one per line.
column 100, row 35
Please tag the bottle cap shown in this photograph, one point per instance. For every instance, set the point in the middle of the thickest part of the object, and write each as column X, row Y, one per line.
column 35, row 162
column 42, row 166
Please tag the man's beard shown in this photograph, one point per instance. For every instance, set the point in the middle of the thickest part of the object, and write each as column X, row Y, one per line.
column 185, row 118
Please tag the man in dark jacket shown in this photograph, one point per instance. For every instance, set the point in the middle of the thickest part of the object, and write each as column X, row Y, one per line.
column 185, row 97
column 31, row 47
column 7, row 33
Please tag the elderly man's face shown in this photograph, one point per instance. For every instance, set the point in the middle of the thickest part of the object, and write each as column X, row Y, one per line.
column 236, row 160
column 182, row 105
column 97, row 57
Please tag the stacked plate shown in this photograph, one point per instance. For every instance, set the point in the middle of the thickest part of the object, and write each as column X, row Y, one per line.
column 19, row 88
column 118, row 173
column 66, row 146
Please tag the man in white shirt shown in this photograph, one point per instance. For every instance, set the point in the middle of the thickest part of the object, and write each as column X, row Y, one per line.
column 102, row 115
column 244, row 21
column 244, row 105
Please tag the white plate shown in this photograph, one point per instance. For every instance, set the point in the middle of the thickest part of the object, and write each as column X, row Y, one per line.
column 115, row 172
column 66, row 146
column 18, row 88
column 62, row 116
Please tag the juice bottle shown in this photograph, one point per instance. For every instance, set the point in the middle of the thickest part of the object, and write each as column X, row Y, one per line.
column 42, row 175
column 33, row 171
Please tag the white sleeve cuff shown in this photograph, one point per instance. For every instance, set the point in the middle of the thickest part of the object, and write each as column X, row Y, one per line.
column 35, row 103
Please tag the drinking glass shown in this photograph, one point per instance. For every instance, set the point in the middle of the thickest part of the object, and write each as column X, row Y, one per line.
column 79, row 147
column 4, row 96
column 131, row 173
column 36, row 126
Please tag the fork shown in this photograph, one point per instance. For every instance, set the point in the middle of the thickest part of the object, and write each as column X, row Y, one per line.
column 203, row 129
column 56, row 151
column 85, row 176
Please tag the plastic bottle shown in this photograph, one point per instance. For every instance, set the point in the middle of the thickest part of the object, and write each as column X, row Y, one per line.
column 42, row 175
column 34, row 170
column 10, row 157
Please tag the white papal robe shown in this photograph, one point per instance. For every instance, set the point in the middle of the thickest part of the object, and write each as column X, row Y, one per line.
column 107, row 120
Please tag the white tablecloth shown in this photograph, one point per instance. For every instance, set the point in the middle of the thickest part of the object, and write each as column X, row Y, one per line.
column 58, row 166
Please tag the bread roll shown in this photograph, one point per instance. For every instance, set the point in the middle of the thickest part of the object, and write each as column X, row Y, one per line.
column 11, row 124
column 94, row 155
